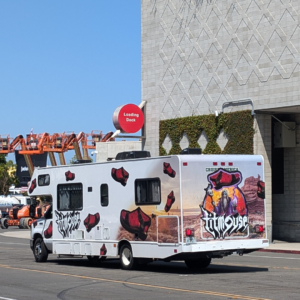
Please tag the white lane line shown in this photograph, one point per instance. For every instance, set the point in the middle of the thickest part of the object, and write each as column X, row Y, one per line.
column 7, row 298
column 14, row 244
column 272, row 257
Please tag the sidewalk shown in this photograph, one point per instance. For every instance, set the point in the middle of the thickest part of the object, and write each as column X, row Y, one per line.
column 283, row 247
column 276, row 246
column 16, row 234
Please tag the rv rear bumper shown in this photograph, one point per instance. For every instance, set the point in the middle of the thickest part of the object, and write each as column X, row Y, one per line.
column 227, row 245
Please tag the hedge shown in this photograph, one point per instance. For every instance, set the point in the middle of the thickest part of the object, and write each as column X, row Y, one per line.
column 238, row 126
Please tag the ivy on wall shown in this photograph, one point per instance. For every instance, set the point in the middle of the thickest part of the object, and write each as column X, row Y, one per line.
column 238, row 126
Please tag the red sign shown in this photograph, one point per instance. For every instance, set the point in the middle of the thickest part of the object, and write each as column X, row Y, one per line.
column 128, row 118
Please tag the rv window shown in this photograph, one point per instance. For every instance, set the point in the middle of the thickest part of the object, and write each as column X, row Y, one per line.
column 147, row 191
column 44, row 180
column 69, row 196
column 104, row 194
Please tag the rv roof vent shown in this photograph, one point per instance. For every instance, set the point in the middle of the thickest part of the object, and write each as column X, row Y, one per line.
column 191, row 151
column 81, row 161
column 132, row 155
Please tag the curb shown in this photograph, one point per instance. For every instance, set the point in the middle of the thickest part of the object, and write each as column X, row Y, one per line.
column 280, row 251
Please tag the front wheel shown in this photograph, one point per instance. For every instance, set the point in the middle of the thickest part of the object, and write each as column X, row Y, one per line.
column 128, row 262
column 4, row 223
column 200, row 263
column 39, row 250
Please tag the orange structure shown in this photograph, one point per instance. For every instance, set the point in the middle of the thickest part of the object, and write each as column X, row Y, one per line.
column 55, row 143
column 9, row 145
column 35, row 143
column 89, row 140
column 60, row 143
column 23, row 215
column 108, row 137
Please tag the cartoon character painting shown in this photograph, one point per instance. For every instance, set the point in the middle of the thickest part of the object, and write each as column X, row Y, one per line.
column 224, row 208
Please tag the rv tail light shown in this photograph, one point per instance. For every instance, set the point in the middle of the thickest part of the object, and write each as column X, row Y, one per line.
column 185, row 163
column 230, row 164
column 259, row 228
column 215, row 163
column 259, row 163
column 222, row 164
column 190, row 232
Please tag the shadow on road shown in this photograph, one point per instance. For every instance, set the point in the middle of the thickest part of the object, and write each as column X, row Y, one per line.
column 160, row 267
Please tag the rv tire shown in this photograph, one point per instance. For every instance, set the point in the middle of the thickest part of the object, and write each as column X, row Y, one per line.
column 128, row 262
column 39, row 250
column 4, row 224
column 200, row 263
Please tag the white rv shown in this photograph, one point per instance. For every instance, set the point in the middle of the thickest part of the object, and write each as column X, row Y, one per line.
column 185, row 207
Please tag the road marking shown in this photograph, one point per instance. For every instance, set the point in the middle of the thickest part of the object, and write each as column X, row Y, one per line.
column 234, row 296
column 272, row 257
column 14, row 243
column 7, row 298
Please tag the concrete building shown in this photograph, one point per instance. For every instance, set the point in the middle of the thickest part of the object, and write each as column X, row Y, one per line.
column 198, row 55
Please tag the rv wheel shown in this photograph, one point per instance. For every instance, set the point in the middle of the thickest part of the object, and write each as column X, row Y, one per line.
column 128, row 262
column 39, row 250
column 200, row 263
column 4, row 224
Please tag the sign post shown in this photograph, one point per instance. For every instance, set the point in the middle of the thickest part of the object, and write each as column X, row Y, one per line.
column 129, row 118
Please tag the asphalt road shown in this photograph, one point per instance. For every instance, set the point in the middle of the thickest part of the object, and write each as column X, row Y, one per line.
column 259, row 275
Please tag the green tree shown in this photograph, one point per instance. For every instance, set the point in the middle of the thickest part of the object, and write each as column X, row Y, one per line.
column 2, row 159
column 7, row 175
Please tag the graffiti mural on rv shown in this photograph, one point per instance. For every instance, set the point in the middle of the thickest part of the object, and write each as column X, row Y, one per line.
column 67, row 223
column 224, row 208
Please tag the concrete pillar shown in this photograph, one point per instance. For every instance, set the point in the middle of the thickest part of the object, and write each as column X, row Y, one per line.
column 263, row 146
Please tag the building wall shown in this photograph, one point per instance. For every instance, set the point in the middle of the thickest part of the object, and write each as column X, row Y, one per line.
column 286, row 207
column 109, row 150
column 198, row 54
column 263, row 146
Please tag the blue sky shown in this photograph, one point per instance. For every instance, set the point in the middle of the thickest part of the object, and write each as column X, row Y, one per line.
column 66, row 65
